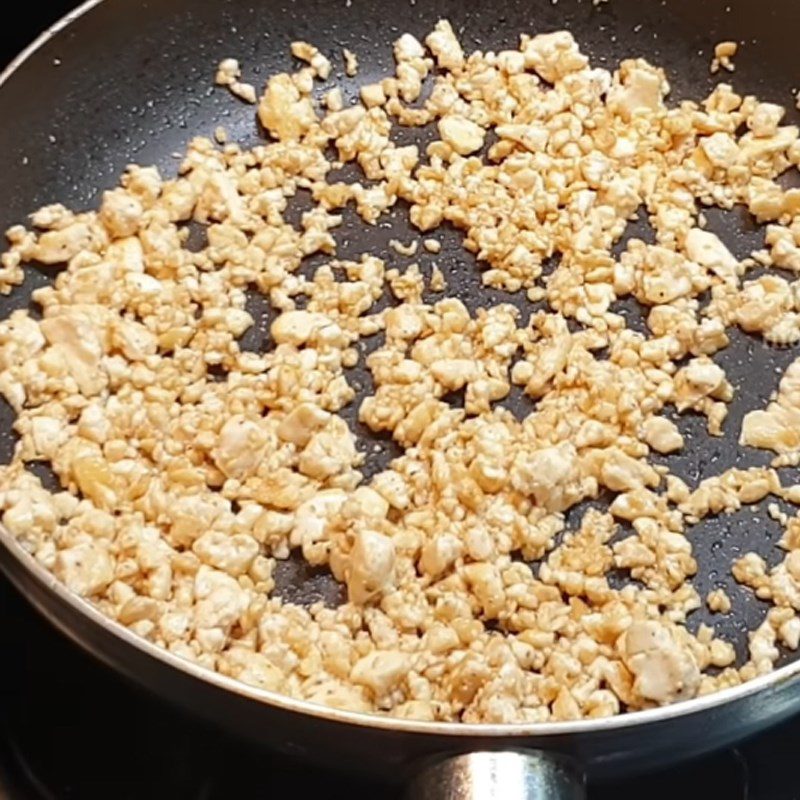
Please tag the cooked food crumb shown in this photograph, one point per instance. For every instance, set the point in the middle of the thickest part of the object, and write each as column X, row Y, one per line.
column 718, row 601
column 775, row 512
column 228, row 74
column 334, row 100
column 409, row 249
column 316, row 60
column 228, row 71
column 350, row 62
column 437, row 282
column 723, row 57
column 244, row 91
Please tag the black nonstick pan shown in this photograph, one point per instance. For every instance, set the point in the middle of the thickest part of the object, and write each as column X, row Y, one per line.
column 121, row 81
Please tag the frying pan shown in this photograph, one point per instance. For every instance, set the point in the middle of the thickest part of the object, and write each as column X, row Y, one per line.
column 130, row 81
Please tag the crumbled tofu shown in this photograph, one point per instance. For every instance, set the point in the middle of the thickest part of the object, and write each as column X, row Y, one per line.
column 409, row 249
column 190, row 465
column 463, row 135
column 723, row 57
column 407, row 48
column 350, row 63
column 87, row 569
column 284, row 110
column 445, row 46
column 777, row 427
column 334, row 99
column 639, row 91
column 370, row 568
column 244, row 91
column 718, row 601
column 437, row 283
column 373, row 95
column 662, row 435
column 663, row 670
column 228, row 71
column 228, row 74
column 320, row 65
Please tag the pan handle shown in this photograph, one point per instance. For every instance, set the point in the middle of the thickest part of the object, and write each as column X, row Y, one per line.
column 500, row 775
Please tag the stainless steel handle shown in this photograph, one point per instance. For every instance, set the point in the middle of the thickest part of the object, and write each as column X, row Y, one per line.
column 501, row 775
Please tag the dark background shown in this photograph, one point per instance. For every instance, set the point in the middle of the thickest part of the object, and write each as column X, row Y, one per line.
column 29, row 21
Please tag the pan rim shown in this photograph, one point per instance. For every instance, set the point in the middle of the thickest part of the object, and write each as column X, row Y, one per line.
column 548, row 730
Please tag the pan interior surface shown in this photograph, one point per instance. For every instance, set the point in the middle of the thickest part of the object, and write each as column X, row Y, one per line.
column 132, row 82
